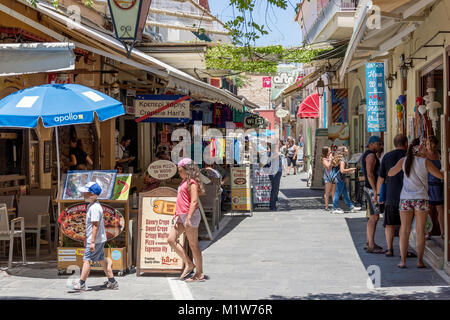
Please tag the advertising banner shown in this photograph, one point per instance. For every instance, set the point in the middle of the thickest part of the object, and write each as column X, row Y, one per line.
column 261, row 186
column 156, row 222
column 339, row 107
column 376, row 97
column 240, row 189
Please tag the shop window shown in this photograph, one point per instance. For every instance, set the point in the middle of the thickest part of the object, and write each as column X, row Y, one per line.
column 434, row 79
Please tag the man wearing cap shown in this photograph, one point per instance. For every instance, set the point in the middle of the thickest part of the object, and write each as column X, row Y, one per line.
column 95, row 238
column 371, row 164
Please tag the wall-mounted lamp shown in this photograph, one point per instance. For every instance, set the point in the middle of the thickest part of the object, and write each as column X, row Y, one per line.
column 390, row 79
column 320, row 87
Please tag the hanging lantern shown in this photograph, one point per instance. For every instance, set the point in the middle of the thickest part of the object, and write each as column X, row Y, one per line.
column 320, row 86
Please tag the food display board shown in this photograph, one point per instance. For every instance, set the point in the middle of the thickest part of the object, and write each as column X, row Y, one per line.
column 261, row 187
column 321, row 140
column 155, row 222
column 240, row 189
column 75, row 179
column 122, row 186
column 72, row 221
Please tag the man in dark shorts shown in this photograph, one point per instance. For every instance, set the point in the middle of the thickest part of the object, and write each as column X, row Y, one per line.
column 393, row 188
column 371, row 166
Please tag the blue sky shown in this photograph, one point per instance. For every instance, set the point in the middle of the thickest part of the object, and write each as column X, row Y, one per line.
column 280, row 23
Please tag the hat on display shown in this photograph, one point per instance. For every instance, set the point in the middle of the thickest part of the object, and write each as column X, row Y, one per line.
column 92, row 187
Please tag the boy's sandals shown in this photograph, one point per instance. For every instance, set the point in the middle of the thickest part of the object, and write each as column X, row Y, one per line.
column 376, row 246
column 196, row 279
column 186, row 272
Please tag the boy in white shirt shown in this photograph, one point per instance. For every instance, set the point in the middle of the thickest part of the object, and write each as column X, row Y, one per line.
column 95, row 238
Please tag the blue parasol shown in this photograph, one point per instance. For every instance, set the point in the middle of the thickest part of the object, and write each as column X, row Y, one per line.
column 57, row 105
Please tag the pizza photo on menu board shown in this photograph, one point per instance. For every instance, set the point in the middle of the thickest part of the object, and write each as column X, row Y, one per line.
column 72, row 222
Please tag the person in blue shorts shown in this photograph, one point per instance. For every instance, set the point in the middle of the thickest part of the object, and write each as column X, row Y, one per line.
column 95, row 239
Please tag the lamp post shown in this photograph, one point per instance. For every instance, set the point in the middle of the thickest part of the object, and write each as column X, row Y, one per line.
column 129, row 18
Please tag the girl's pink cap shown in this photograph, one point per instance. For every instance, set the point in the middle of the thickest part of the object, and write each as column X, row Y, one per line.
column 183, row 162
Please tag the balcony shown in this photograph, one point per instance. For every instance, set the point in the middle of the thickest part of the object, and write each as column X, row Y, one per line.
column 334, row 22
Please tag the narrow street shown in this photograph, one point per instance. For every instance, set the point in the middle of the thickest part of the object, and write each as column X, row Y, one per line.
column 298, row 252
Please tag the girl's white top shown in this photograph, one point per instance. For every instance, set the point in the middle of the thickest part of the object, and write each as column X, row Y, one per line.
column 416, row 185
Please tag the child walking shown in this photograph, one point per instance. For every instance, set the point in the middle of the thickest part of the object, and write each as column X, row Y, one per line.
column 95, row 239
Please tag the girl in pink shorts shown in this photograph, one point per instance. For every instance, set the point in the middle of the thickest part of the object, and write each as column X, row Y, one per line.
column 187, row 219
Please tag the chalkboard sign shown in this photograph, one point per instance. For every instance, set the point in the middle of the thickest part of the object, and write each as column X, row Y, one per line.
column 261, row 187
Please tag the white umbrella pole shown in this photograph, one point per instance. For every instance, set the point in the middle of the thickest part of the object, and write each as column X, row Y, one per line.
column 59, row 173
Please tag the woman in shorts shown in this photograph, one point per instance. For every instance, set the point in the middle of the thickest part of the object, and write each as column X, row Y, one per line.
column 435, row 185
column 187, row 219
column 414, row 198
column 291, row 156
column 330, row 186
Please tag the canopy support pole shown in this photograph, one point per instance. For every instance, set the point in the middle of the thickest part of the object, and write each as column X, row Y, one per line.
column 59, row 179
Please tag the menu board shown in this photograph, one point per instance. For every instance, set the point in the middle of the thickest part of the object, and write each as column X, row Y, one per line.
column 261, row 186
column 78, row 178
column 155, row 223
column 240, row 189
column 122, row 186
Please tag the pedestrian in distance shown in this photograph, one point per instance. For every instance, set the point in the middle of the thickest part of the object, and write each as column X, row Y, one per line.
column 414, row 198
column 187, row 219
column 283, row 153
column 330, row 187
column 275, row 179
column 435, row 185
column 393, row 187
column 338, row 174
column 95, row 239
column 292, row 156
column 371, row 166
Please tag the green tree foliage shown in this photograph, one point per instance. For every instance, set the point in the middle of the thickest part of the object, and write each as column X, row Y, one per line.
column 264, row 60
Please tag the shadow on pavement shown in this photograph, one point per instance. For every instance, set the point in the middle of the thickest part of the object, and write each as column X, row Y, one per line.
column 386, row 267
column 442, row 293
column 234, row 222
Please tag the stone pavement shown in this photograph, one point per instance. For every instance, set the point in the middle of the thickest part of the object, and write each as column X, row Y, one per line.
column 297, row 252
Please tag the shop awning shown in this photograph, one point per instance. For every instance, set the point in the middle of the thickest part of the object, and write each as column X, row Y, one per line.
column 371, row 42
column 108, row 46
column 21, row 58
column 309, row 108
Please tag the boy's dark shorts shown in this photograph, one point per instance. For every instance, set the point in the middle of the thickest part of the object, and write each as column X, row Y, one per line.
column 97, row 255
column 391, row 215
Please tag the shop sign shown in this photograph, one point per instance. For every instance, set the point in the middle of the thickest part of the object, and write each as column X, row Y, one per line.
column 72, row 222
column 267, row 82
column 282, row 113
column 338, row 135
column 162, row 108
column 240, row 189
column 253, row 121
column 155, row 223
column 129, row 17
column 376, row 97
column 162, row 169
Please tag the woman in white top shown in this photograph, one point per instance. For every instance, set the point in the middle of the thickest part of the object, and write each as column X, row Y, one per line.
column 414, row 198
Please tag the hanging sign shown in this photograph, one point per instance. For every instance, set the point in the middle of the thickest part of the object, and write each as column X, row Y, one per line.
column 253, row 121
column 376, row 97
column 162, row 108
column 281, row 113
column 162, row 169
column 267, row 82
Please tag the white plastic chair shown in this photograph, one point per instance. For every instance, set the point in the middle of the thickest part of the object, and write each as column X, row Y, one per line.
column 8, row 234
